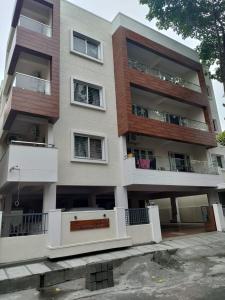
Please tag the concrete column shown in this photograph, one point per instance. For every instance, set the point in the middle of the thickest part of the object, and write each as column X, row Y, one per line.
column 49, row 197
column 178, row 211
column 121, row 199
column 8, row 203
column 173, row 209
column 54, row 228
column 92, row 201
column 121, row 228
column 1, row 223
column 50, row 135
column 213, row 197
column 219, row 217
column 154, row 218
column 1, row 202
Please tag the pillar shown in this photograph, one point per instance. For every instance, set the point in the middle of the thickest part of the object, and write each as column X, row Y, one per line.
column 154, row 219
column 8, row 203
column 49, row 197
column 54, row 228
column 121, row 228
column 219, row 217
column 213, row 197
column 50, row 134
column 121, row 199
column 173, row 209
column 92, row 201
column 178, row 211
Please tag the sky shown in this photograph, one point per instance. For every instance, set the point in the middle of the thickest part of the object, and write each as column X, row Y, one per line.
column 107, row 10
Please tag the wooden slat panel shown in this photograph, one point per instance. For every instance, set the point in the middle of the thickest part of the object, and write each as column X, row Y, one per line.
column 89, row 224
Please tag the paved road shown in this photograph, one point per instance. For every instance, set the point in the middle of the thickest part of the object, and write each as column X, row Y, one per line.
column 197, row 273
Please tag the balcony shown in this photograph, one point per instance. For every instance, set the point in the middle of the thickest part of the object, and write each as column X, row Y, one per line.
column 162, row 75
column 28, row 162
column 168, row 118
column 35, row 26
column 159, row 172
column 31, row 83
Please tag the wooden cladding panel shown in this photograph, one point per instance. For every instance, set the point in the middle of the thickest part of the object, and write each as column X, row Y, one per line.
column 28, row 41
column 125, row 77
column 89, row 224
column 155, row 128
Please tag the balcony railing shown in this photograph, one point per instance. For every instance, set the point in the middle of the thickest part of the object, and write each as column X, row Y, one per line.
column 24, row 224
column 32, row 83
column 35, row 26
column 176, row 165
column 136, row 216
column 168, row 118
column 134, row 64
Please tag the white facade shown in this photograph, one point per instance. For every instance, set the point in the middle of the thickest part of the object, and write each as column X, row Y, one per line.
column 80, row 169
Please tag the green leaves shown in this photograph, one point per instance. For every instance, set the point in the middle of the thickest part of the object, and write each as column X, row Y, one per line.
column 200, row 19
column 221, row 138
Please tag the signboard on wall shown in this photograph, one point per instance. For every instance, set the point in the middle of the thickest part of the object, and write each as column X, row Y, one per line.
column 89, row 224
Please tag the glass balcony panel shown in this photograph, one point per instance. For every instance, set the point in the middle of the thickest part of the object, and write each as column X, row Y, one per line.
column 35, row 26
column 32, row 83
column 134, row 64
column 166, row 117
column 176, row 165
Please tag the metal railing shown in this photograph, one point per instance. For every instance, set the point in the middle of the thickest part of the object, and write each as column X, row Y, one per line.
column 35, row 26
column 134, row 64
column 32, row 83
column 24, row 224
column 32, row 144
column 165, row 117
column 177, row 165
column 137, row 216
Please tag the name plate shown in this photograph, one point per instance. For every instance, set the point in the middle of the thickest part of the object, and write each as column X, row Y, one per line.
column 89, row 224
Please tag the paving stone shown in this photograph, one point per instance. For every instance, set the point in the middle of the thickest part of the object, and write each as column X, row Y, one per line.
column 38, row 268
column 91, row 259
column 76, row 263
column 17, row 272
column 64, row 264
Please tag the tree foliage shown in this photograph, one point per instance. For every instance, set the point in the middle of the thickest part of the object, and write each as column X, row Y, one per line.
column 200, row 19
column 221, row 138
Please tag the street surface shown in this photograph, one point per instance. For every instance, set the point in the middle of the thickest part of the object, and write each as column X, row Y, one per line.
column 196, row 273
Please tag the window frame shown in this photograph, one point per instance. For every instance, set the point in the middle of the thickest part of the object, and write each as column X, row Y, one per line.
column 102, row 106
column 89, row 135
column 90, row 39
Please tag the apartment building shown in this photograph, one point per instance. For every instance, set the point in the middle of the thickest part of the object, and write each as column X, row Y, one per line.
column 97, row 115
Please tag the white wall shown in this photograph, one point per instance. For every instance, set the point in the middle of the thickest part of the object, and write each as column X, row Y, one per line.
column 14, row 249
column 87, row 236
column 140, row 234
column 86, row 119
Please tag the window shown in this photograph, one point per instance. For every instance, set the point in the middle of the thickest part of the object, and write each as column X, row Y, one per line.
column 87, row 93
column 217, row 160
column 215, row 125
column 209, row 91
column 179, row 162
column 89, row 147
column 86, row 46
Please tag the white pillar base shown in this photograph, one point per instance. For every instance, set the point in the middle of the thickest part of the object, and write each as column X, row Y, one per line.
column 155, row 223
column 54, row 228
column 219, row 217
column 121, row 228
